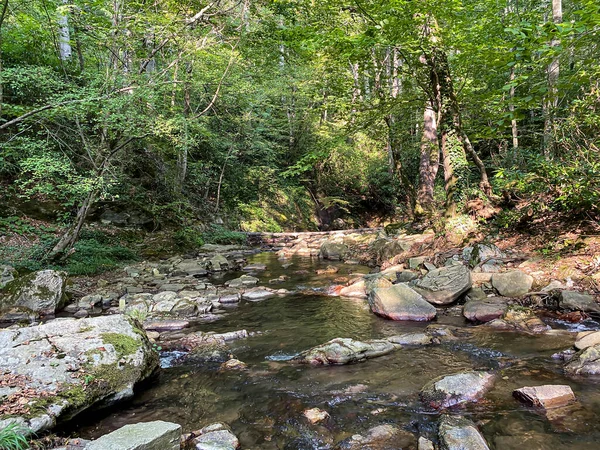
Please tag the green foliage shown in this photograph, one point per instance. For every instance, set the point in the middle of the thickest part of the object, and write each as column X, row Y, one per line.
column 14, row 224
column 95, row 252
column 13, row 437
column 188, row 238
column 91, row 257
column 217, row 234
column 263, row 113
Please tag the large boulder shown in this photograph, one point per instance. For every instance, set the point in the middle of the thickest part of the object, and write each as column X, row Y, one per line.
column 400, row 302
column 587, row 339
column 32, row 296
column 386, row 248
column 576, row 301
column 333, row 250
column 56, row 370
column 482, row 254
column 344, row 351
column 218, row 263
column 444, row 285
column 585, row 362
column 458, row 433
column 485, row 310
column 462, row 387
column 512, row 284
column 157, row 435
column 380, row 437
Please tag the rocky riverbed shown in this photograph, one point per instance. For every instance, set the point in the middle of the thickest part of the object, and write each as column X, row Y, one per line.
column 281, row 350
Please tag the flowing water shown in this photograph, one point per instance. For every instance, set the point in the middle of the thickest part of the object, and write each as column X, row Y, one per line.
column 264, row 404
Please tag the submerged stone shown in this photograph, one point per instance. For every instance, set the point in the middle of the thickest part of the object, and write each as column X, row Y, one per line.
column 217, row 436
column 344, row 351
column 381, row 437
column 458, row 433
column 450, row 390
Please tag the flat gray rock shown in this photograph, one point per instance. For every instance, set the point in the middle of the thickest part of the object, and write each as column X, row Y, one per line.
column 157, row 435
column 444, row 285
column 400, row 302
column 256, row 295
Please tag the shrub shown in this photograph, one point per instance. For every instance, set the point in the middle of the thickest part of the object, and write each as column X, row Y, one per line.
column 188, row 237
column 92, row 257
column 220, row 235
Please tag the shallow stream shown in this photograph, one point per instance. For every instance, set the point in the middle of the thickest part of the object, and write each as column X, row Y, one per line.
column 264, row 404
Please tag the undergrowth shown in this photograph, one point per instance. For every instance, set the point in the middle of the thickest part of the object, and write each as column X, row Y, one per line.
column 13, row 437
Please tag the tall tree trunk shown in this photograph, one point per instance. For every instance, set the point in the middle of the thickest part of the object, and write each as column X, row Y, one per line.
column 356, row 91
column 64, row 35
column 68, row 240
column 182, row 156
column 3, row 11
column 553, row 71
column 429, row 162
column 511, row 108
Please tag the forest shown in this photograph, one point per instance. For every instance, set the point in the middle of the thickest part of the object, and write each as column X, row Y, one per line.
column 298, row 115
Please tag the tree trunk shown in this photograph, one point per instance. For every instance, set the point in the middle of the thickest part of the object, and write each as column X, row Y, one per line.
column 511, row 108
column 553, row 71
column 2, row 16
column 64, row 38
column 429, row 162
column 67, row 241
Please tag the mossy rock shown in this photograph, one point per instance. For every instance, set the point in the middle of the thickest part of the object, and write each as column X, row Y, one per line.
column 34, row 295
column 73, row 365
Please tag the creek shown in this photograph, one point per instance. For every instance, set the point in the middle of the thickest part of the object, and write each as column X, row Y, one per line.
column 264, row 404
